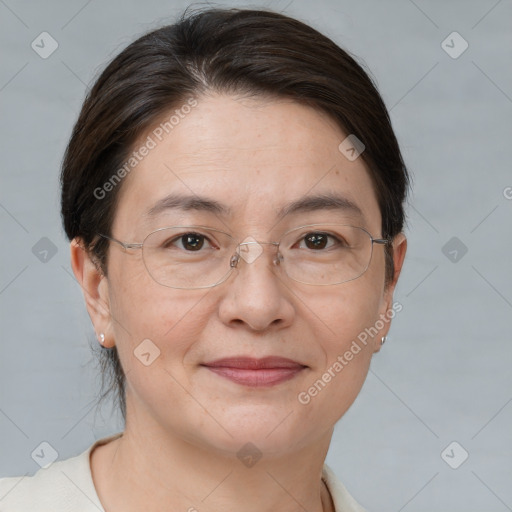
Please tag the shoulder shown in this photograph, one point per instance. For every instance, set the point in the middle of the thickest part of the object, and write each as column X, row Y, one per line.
column 64, row 486
column 343, row 501
column 60, row 487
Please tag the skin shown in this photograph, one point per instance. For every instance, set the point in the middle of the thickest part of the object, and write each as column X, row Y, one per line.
column 185, row 424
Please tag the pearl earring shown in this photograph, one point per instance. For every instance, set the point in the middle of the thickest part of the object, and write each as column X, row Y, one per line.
column 383, row 340
column 102, row 338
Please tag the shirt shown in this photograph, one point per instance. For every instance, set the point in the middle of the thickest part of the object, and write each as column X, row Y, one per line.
column 67, row 486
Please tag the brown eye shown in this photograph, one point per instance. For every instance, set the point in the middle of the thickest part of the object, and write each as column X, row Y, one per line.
column 316, row 240
column 189, row 242
column 192, row 241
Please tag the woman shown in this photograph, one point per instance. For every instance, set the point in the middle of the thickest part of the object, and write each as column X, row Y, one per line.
column 233, row 193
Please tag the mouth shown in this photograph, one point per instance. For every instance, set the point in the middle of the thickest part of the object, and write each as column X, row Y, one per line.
column 249, row 371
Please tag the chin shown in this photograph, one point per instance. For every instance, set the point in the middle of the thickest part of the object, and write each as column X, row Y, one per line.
column 270, row 430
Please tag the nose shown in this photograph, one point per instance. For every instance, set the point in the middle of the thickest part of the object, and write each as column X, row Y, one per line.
column 255, row 295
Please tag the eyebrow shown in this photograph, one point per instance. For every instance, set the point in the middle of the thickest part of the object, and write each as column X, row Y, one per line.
column 328, row 201
column 318, row 202
column 181, row 202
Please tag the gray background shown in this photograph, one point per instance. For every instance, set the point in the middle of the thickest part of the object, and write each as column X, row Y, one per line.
column 443, row 376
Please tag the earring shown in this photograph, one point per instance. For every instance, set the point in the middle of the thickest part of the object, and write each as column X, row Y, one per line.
column 383, row 340
column 102, row 338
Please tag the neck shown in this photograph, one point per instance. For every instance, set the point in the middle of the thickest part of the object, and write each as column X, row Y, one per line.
column 151, row 472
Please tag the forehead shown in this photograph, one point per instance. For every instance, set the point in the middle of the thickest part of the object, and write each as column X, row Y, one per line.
column 253, row 156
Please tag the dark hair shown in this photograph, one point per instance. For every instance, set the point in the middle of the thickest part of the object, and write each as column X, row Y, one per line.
column 230, row 51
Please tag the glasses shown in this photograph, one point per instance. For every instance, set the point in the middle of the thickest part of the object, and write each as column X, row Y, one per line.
column 193, row 257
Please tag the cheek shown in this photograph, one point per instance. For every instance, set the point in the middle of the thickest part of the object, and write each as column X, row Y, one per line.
column 350, row 309
column 341, row 322
column 165, row 324
column 143, row 310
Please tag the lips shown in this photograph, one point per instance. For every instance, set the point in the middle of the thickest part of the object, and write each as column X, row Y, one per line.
column 250, row 363
column 248, row 371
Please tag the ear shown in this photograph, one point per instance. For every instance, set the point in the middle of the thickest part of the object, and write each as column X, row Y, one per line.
column 94, row 286
column 388, row 310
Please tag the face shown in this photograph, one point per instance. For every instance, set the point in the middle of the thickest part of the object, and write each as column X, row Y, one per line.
column 253, row 158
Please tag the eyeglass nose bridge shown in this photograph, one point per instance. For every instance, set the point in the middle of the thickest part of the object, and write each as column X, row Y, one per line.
column 235, row 259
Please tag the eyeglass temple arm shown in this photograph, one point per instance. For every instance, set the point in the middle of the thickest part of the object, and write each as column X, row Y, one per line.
column 122, row 244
